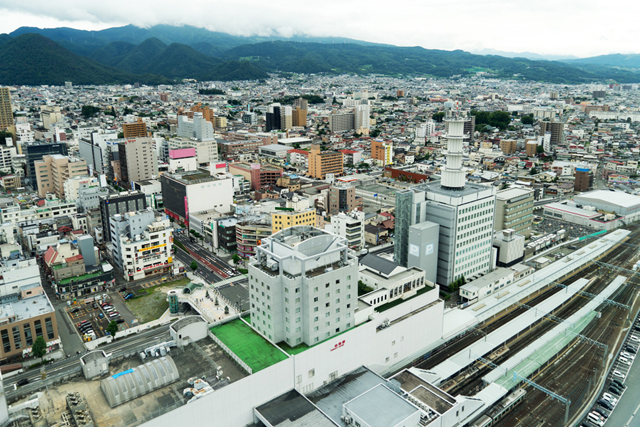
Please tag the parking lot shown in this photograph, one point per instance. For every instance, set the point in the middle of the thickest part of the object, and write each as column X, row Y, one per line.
column 97, row 316
column 549, row 225
column 615, row 386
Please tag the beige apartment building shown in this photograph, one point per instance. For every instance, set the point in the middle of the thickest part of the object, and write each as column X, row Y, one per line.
column 514, row 210
column 52, row 172
column 138, row 161
column 322, row 163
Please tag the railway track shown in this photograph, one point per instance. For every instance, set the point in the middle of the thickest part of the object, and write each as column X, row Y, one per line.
column 575, row 371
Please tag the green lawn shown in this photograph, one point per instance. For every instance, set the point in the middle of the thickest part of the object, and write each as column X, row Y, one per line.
column 151, row 303
column 248, row 345
column 293, row 350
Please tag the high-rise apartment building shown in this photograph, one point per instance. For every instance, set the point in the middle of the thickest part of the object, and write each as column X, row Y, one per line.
column 382, row 152
column 303, row 285
column 464, row 211
column 322, row 163
column 138, row 161
column 286, row 117
column 273, row 117
column 6, row 113
column 53, row 171
column 299, row 117
column 135, row 130
column 342, row 122
column 556, row 129
column 127, row 201
column 301, row 104
column 362, row 118
column 514, row 210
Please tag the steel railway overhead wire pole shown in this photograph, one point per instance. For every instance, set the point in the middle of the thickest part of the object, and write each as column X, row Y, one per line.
column 517, row 378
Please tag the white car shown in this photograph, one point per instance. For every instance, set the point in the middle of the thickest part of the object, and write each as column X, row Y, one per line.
column 634, row 338
column 627, row 355
column 595, row 419
column 619, row 374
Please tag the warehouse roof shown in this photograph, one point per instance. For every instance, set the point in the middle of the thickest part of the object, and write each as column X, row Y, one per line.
column 619, row 198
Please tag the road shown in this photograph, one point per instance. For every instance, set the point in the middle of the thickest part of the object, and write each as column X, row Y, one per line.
column 207, row 273
column 71, row 364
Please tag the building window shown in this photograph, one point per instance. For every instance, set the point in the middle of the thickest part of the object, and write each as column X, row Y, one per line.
column 49, row 326
column 27, row 334
column 17, row 338
column 6, row 343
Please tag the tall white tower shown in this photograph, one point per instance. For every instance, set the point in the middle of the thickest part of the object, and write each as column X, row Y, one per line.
column 453, row 175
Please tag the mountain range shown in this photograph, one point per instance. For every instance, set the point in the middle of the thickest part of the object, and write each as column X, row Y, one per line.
column 163, row 53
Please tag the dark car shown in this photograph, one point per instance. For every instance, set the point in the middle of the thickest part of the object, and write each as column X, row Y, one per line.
column 615, row 390
column 601, row 412
column 605, row 404
column 120, row 320
column 22, row 382
column 631, row 349
column 75, row 310
column 617, row 383
column 123, row 289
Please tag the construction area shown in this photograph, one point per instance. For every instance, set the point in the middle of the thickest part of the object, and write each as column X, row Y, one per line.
column 556, row 337
column 204, row 361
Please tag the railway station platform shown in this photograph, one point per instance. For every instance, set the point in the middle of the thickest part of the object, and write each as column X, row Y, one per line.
column 497, row 338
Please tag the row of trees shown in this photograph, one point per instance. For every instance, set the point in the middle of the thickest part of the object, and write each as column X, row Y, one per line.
column 455, row 285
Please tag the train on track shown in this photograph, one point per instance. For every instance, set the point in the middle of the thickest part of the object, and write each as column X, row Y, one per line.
column 497, row 412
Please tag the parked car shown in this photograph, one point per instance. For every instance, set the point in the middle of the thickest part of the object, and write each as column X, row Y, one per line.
column 618, row 374
column 22, row 382
column 101, row 316
column 120, row 320
column 618, row 383
column 75, row 310
column 128, row 297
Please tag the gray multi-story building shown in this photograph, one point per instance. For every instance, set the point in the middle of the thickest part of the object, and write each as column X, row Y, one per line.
column 127, row 201
column 464, row 211
column 514, row 210
column 303, row 286
column 342, row 122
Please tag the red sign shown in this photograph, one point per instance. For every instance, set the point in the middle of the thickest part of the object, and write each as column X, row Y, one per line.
column 338, row 345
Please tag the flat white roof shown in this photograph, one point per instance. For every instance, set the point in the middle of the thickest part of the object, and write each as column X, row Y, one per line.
column 513, row 192
column 619, row 198
column 572, row 210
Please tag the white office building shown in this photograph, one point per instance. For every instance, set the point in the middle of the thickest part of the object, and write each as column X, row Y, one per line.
column 198, row 127
column 141, row 244
column 303, row 286
column 351, row 227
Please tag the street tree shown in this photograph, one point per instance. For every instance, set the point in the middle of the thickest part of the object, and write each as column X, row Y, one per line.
column 112, row 328
column 39, row 347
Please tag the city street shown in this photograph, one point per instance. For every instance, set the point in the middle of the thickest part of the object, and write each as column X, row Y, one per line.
column 209, row 275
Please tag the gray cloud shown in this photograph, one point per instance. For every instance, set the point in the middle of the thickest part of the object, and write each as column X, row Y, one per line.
column 569, row 27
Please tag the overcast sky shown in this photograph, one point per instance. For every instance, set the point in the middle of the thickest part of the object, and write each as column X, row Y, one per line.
column 560, row 27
